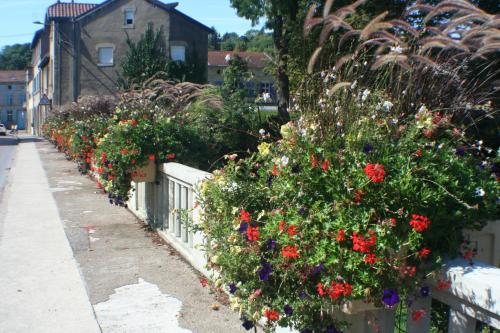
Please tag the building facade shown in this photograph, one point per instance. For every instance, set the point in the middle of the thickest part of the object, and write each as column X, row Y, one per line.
column 80, row 50
column 261, row 84
column 13, row 98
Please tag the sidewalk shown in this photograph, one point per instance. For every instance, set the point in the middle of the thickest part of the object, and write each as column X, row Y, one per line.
column 134, row 281
column 41, row 289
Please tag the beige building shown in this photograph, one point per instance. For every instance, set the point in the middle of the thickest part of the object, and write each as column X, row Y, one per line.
column 81, row 47
column 12, row 98
column 261, row 84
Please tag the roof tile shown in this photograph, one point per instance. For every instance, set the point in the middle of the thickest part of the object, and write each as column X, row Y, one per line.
column 12, row 76
column 63, row 9
column 254, row 59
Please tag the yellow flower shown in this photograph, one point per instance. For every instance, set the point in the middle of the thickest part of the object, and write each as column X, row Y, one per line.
column 264, row 148
column 286, row 130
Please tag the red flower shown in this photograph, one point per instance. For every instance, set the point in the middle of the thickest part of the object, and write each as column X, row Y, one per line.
column 417, row 314
column 326, row 165
column 151, row 157
column 358, row 196
column 338, row 289
column 133, row 122
column 124, row 151
column 443, row 285
column 340, row 236
column 84, row 138
column 362, row 243
column 468, row 255
column 282, row 225
column 370, row 259
column 203, row 282
column 275, row 170
column 292, row 230
column 375, row 172
column 87, row 160
column 393, row 221
column 314, row 162
column 100, row 170
column 290, row 252
column 423, row 253
column 419, row 223
column 170, row 156
column 272, row 315
column 253, row 233
column 244, row 216
column 319, row 288
column 418, row 153
column 133, row 162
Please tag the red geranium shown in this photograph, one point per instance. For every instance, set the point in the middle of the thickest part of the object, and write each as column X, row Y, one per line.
column 314, row 162
column 417, row 315
column 424, row 253
column 419, row 223
column 290, row 252
column 375, row 172
column 292, row 230
column 362, row 243
column 253, row 233
column 340, row 236
column 244, row 216
column 272, row 315
column 338, row 289
column 151, row 157
column 443, row 285
column 370, row 259
column 326, row 165
column 282, row 225
column 319, row 288
column 170, row 156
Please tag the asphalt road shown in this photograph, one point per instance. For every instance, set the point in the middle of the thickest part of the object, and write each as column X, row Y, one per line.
column 8, row 145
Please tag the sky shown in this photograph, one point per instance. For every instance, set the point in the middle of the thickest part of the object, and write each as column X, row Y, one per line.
column 17, row 17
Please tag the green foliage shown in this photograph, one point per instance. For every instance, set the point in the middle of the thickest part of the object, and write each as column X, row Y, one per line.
column 148, row 57
column 15, row 57
column 316, row 196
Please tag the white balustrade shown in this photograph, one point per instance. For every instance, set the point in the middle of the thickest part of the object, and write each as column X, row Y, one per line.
column 474, row 295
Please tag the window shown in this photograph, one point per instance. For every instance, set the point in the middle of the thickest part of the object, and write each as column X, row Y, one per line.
column 178, row 53
column 10, row 87
column 10, row 115
column 265, row 88
column 129, row 17
column 105, row 55
column 11, row 99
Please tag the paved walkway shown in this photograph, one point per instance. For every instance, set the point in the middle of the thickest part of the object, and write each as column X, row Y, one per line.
column 41, row 289
column 59, row 224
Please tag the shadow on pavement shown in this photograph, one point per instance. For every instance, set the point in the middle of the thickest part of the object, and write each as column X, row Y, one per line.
column 8, row 141
column 28, row 139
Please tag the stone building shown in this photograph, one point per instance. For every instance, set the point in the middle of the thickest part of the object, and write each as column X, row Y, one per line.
column 261, row 84
column 12, row 98
column 81, row 47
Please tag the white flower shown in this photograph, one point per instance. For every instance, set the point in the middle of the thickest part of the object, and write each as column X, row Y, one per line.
column 394, row 121
column 480, row 192
column 422, row 109
column 354, row 84
column 284, row 161
column 397, row 49
column 388, row 105
column 262, row 132
column 366, row 93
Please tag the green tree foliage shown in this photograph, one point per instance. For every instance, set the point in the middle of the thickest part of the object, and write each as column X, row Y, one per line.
column 214, row 40
column 236, row 75
column 148, row 56
column 259, row 41
column 15, row 57
column 229, row 41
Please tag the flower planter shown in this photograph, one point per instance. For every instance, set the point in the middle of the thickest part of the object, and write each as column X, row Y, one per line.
column 145, row 174
column 357, row 306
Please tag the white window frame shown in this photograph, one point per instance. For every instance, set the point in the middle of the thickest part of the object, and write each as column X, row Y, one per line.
column 125, row 12
column 175, row 55
column 105, row 46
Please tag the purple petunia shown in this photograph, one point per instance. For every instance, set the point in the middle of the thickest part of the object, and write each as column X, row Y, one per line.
column 288, row 310
column 303, row 295
column 390, row 297
column 271, row 245
column 243, row 227
column 317, row 269
column 248, row 324
column 232, row 288
column 367, row 148
column 460, row 151
column 424, row 291
column 265, row 271
column 302, row 211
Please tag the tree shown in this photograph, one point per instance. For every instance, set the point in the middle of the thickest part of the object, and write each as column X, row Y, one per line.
column 15, row 57
column 214, row 41
column 148, row 57
column 281, row 17
column 145, row 57
column 229, row 41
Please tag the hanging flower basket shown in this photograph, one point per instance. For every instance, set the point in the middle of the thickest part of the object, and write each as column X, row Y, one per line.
column 145, row 174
